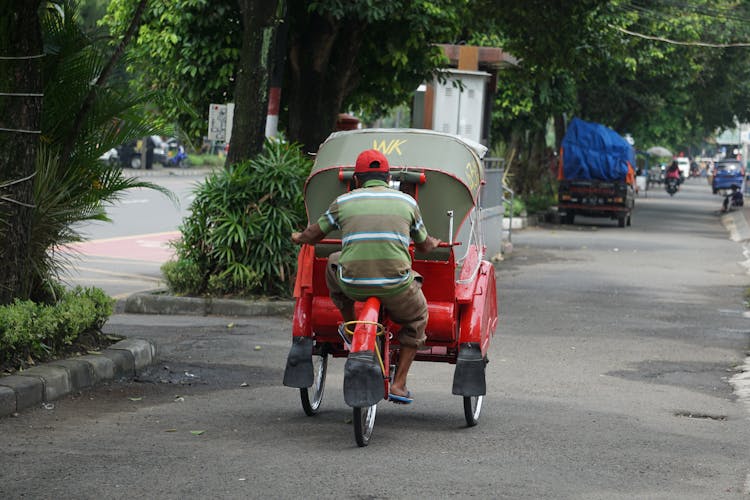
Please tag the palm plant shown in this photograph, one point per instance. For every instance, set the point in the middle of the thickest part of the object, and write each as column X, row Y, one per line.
column 82, row 117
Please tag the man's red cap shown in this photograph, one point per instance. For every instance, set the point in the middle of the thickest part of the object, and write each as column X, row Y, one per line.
column 371, row 160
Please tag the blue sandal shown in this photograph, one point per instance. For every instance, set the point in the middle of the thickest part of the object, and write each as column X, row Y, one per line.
column 403, row 400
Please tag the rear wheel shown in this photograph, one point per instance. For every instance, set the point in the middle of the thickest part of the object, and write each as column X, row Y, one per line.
column 472, row 409
column 570, row 217
column 312, row 396
column 621, row 221
column 135, row 162
column 364, row 421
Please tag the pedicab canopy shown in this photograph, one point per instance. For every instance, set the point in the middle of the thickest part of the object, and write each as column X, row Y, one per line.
column 591, row 151
column 445, row 171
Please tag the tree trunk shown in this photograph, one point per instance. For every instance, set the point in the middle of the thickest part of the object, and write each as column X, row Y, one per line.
column 20, row 119
column 251, row 91
column 322, row 69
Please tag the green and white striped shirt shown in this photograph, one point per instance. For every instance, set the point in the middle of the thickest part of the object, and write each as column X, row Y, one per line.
column 376, row 224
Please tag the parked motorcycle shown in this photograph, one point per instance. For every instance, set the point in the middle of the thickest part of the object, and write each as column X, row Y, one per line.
column 733, row 199
column 178, row 159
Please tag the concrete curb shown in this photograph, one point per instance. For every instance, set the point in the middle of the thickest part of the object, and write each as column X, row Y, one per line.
column 53, row 380
column 156, row 303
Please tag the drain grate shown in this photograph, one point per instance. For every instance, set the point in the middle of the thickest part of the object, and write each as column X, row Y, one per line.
column 704, row 416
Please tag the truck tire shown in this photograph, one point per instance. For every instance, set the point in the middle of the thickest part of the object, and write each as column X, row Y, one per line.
column 621, row 221
column 569, row 218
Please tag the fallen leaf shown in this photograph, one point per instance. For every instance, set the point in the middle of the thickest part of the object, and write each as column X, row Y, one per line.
column 93, row 352
column 243, row 384
column 135, row 399
column 170, row 430
column 230, row 325
column 197, row 433
column 258, row 348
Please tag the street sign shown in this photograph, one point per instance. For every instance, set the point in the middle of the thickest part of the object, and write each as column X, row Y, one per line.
column 220, row 117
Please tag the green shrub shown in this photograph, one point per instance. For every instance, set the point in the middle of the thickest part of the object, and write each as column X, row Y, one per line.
column 519, row 208
column 183, row 276
column 42, row 331
column 536, row 203
column 206, row 160
column 237, row 234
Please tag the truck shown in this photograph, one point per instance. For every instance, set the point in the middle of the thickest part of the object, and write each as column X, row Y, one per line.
column 596, row 174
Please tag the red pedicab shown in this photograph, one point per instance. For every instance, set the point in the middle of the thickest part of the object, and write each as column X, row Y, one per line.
column 444, row 174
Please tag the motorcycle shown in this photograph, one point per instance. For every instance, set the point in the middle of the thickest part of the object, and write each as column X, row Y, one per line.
column 180, row 158
column 672, row 185
column 733, row 199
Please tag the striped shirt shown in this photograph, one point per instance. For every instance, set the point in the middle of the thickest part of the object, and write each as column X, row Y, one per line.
column 376, row 224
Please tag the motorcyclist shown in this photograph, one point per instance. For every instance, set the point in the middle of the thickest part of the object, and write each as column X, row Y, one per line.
column 673, row 171
column 735, row 198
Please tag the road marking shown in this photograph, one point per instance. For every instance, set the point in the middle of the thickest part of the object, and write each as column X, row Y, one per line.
column 142, row 277
column 153, row 247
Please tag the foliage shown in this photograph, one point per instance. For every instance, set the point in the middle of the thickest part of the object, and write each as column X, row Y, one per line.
column 206, row 159
column 39, row 332
column 539, row 203
column 373, row 53
column 236, row 239
column 186, row 49
column 517, row 208
column 76, row 188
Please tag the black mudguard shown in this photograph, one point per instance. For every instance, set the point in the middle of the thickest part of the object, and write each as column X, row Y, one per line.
column 363, row 380
column 299, row 368
column 468, row 379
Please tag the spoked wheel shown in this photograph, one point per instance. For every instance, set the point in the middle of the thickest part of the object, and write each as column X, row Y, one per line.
column 312, row 396
column 472, row 409
column 364, row 421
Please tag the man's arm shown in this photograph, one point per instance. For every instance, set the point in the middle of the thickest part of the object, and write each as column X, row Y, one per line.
column 310, row 236
column 427, row 245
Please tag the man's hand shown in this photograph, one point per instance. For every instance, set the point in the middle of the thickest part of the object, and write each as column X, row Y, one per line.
column 427, row 245
column 310, row 236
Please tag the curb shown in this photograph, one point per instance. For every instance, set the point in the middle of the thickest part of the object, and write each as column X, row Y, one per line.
column 159, row 171
column 154, row 303
column 53, row 380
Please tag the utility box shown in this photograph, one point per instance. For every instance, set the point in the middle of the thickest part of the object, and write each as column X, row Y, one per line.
column 459, row 103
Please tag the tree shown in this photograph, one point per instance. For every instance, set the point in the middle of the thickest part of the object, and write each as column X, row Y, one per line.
column 360, row 54
column 20, row 120
column 253, row 70
column 642, row 68
column 82, row 116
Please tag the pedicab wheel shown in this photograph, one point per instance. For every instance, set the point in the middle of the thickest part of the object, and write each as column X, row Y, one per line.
column 364, row 421
column 312, row 396
column 472, row 409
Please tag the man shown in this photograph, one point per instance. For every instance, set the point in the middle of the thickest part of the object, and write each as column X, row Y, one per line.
column 376, row 223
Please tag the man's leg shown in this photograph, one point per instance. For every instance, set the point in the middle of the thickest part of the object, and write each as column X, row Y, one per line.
column 408, row 309
column 405, row 357
column 344, row 304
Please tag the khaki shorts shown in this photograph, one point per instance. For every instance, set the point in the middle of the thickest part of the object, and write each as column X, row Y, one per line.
column 408, row 308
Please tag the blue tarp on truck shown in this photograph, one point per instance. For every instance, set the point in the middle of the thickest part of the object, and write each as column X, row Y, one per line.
column 591, row 151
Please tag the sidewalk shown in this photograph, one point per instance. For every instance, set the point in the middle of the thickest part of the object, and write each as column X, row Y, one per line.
column 47, row 382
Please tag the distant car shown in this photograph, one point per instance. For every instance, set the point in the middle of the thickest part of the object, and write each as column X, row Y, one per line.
column 684, row 165
column 727, row 173
column 161, row 149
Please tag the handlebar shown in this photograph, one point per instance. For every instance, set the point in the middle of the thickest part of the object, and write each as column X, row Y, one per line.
column 442, row 244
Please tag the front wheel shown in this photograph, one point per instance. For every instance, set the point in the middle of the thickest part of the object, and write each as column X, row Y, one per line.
column 472, row 409
column 312, row 396
column 364, row 421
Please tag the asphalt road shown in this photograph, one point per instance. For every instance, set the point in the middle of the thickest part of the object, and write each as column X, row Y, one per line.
column 609, row 378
